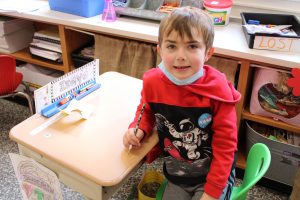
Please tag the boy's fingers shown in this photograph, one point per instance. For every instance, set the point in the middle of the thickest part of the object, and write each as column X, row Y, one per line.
column 140, row 134
column 133, row 139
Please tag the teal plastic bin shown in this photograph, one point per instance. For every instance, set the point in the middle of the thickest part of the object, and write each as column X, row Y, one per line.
column 85, row 8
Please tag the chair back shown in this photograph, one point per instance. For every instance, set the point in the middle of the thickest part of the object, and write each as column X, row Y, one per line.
column 258, row 162
column 9, row 78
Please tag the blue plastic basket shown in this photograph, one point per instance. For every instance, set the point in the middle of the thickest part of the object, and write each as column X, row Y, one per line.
column 85, row 8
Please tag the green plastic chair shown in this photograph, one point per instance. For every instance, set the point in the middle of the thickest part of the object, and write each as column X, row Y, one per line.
column 258, row 162
column 161, row 189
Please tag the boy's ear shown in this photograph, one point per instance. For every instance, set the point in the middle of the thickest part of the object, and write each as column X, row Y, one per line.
column 209, row 53
column 158, row 49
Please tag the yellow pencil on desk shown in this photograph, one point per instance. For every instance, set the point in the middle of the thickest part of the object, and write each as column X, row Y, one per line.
column 137, row 124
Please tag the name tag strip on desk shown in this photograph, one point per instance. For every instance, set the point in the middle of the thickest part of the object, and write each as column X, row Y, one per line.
column 46, row 124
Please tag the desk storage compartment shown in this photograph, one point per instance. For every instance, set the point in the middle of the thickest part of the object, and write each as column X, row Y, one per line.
column 285, row 158
column 272, row 41
column 85, row 8
column 271, row 97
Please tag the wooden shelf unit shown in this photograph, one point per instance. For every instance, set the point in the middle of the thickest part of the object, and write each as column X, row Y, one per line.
column 70, row 41
column 270, row 122
column 24, row 55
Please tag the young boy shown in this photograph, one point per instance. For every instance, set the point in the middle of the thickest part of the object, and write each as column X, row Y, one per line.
column 192, row 106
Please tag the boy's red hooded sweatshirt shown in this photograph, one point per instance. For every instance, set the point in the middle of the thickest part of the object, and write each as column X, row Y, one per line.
column 196, row 125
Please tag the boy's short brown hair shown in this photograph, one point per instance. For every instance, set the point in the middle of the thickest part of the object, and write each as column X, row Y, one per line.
column 186, row 19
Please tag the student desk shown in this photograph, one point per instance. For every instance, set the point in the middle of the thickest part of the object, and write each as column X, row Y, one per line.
column 88, row 155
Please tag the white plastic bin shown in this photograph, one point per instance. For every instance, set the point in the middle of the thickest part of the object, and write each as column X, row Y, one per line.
column 219, row 10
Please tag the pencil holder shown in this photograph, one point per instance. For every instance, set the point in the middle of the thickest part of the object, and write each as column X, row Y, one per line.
column 149, row 185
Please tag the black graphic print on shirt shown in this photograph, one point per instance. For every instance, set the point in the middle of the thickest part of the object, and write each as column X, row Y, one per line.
column 184, row 132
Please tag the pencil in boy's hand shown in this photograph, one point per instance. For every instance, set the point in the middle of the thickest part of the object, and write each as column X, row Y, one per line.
column 138, row 123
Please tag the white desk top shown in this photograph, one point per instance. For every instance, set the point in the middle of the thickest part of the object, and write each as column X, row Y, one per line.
column 92, row 148
column 229, row 40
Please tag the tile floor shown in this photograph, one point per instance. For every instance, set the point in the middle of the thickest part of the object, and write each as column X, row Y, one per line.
column 12, row 113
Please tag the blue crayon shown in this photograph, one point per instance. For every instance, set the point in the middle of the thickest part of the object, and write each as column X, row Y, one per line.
column 255, row 22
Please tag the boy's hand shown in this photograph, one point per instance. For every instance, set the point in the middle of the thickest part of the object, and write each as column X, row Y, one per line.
column 207, row 197
column 130, row 139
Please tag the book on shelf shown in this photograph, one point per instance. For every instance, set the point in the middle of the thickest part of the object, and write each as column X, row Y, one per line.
column 46, row 54
column 46, row 45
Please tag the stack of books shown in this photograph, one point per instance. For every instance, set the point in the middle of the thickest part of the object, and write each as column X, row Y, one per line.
column 15, row 34
column 46, row 44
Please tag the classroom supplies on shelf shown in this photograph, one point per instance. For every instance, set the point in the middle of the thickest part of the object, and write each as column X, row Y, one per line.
column 219, row 11
column 285, row 157
column 276, row 32
column 57, row 94
column 84, row 8
column 109, row 13
column 83, row 55
column 151, row 9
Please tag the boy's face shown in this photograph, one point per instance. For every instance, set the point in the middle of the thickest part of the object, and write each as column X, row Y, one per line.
column 183, row 57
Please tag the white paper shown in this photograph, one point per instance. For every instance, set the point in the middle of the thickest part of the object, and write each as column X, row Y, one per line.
column 21, row 6
column 36, row 181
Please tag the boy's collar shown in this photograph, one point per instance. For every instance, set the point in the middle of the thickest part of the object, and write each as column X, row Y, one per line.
column 176, row 81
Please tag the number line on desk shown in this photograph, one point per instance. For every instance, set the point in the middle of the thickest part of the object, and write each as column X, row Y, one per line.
column 46, row 124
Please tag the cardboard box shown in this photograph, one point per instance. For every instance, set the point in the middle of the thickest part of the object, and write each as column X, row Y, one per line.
column 85, row 8
column 273, row 42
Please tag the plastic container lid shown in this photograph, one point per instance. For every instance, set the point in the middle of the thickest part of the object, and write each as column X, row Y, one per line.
column 218, row 3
